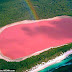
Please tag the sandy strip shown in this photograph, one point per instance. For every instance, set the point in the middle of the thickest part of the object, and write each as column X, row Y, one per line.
column 50, row 62
column 25, row 57
column 25, row 22
column 32, row 21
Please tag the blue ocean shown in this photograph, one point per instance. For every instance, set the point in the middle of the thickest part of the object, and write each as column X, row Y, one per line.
column 63, row 66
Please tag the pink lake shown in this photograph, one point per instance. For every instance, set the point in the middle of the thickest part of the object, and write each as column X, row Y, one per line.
column 25, row 39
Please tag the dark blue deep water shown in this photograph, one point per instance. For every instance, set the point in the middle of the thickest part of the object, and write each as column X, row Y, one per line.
column 63, row 66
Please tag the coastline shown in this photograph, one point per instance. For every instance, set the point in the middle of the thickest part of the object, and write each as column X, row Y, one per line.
column 50, row 62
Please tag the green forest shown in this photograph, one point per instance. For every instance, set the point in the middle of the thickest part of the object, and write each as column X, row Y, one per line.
column 16, row 10
column 34, row 60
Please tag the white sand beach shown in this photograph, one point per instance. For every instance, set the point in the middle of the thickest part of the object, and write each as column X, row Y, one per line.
column 50, row 62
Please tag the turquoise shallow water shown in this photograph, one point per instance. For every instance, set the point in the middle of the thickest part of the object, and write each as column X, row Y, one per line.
column 63, row 66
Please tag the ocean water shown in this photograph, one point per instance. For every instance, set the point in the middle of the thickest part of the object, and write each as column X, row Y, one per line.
column 63, row 66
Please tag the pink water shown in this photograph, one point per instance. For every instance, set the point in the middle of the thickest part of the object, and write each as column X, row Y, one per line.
column 24, row 39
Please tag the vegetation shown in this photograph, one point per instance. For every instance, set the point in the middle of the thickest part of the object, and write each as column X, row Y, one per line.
column 17, row 10
column 34, row 60
column 52, row 8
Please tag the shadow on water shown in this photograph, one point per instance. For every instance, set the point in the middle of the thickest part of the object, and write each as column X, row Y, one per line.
column 61, row 29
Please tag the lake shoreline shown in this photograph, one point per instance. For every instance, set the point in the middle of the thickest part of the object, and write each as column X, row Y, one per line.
column 29, row 22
